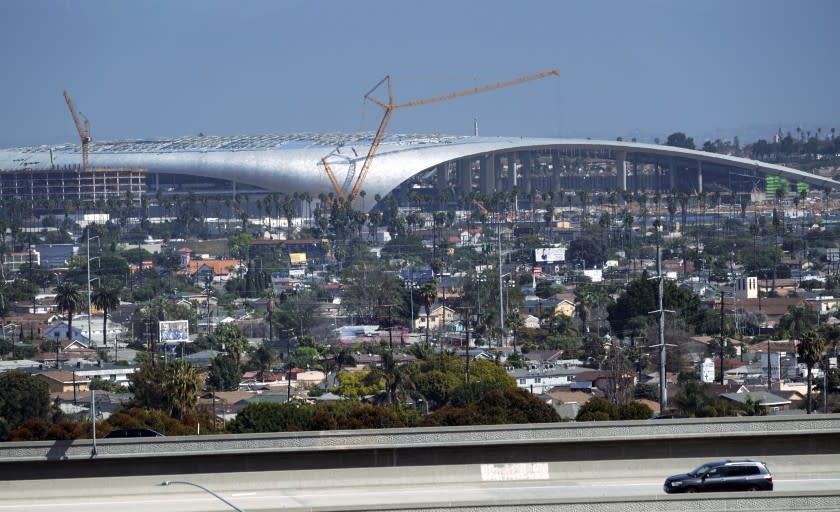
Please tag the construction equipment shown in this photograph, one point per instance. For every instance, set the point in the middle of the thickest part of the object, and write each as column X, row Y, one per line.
column 83, row 129
column 389, row 109
column 481, row 207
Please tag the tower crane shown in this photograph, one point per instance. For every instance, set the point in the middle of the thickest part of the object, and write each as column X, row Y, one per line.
column 83, row 129
column 388, row 110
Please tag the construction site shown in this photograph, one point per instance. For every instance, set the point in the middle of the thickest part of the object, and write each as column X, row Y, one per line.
column 379, row 165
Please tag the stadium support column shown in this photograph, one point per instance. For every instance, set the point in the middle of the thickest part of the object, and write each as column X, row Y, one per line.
column 699, row 176
column 464, row 171
column 442, row 176
column 487, row 176
column 527, row 172
column 621, row 169
column 672, row 173
column 555, row 171
column 497, row 165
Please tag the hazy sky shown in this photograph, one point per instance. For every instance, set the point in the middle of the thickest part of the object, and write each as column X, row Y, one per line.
column 160, row 68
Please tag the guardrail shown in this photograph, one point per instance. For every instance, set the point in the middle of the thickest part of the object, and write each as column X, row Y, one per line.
column 578, row 443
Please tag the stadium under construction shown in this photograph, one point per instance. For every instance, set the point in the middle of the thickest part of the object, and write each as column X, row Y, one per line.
column 459, row 165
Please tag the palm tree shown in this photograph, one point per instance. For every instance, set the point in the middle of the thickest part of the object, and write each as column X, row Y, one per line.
column 396, row 377
column 263, row 357
column 182, row 386
column 428, row 294
column 68, row 299
column 810, row 350
column 106, row 299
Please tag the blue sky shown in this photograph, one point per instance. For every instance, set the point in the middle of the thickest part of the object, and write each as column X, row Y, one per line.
column 644, row 69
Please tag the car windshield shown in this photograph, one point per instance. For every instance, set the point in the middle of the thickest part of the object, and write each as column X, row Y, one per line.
column 699, row 471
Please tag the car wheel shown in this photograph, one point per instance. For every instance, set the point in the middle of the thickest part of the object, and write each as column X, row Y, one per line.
column 690, row 490
column 752, row 488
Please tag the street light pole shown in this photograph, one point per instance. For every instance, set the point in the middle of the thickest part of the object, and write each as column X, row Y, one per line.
column 205, row 489
column 90, row 334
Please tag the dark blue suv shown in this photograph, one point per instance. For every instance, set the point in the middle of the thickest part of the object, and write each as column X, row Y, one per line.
column 723, row 476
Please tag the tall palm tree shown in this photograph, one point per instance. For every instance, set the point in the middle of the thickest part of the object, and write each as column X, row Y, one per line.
column 810, row 350
column 428, row 294
column 263, row 356
column 68, row 299
column 396, row 377
column 182, row 386
column 106, row 299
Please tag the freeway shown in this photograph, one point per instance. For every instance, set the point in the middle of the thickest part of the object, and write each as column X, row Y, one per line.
column 267, row 491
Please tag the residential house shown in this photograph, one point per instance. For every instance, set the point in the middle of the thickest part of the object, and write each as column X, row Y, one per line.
column 771, row 403
column 541, row 307
column 63, row 381
column 200, row 270
column 531, row 322
column 540, row 358
column 58, row 332
column 437, row 317
column 540, row 380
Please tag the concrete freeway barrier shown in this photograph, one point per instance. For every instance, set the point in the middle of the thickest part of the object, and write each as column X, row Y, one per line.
column 584, row 446
column 718, row 502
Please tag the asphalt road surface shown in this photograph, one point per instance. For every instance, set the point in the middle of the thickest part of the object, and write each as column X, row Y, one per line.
column 145, row 494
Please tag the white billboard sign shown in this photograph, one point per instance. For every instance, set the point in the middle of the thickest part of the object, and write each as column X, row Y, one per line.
column 174, row 331
column 544, row 255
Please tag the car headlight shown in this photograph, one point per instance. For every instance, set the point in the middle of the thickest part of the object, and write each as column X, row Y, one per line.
column 675, row 484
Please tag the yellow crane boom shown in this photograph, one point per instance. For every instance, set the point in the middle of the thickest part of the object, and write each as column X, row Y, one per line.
column 390, row 107
column 83, row 129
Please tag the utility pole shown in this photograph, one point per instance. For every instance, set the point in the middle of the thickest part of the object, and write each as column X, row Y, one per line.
column 663, row 389
column 390, row 331
column 467, row 317
column 722, row 338
column 501, row 297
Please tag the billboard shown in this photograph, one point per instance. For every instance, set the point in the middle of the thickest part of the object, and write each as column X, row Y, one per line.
column 545, row 255
column 174, row 331
column 297, row 258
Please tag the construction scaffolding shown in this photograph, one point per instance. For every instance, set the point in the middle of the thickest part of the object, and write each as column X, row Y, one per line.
column 73, row 183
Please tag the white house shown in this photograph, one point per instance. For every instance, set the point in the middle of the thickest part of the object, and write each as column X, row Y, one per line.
column 540, row 380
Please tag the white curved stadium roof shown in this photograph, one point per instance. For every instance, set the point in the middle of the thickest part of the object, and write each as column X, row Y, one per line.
column 291, row 163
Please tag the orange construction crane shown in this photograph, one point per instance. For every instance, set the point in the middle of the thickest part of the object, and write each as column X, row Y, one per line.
column 339, row 192
column 83, row 129
column 389, row 109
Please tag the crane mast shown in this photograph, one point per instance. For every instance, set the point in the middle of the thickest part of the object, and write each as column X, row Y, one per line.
column 389, row 108
column 82, row 128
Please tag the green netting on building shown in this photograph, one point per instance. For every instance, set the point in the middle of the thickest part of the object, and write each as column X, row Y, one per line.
column 774, row 183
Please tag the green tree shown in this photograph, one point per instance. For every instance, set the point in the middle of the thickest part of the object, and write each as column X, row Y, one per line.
column 496, row 406
column 224, row 374
column 67, row 300
column 597, row 409
column 271, row 417
column 355, row 385
column 240, row 245
column 146, row 384
column 229, row 338
column 634, row 411
column 679, row 139
column 810, row 350
column 22, row 397
column 371, row 289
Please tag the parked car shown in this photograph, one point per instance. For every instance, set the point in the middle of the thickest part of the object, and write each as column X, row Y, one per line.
column 132, row 432
column 723, row 476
